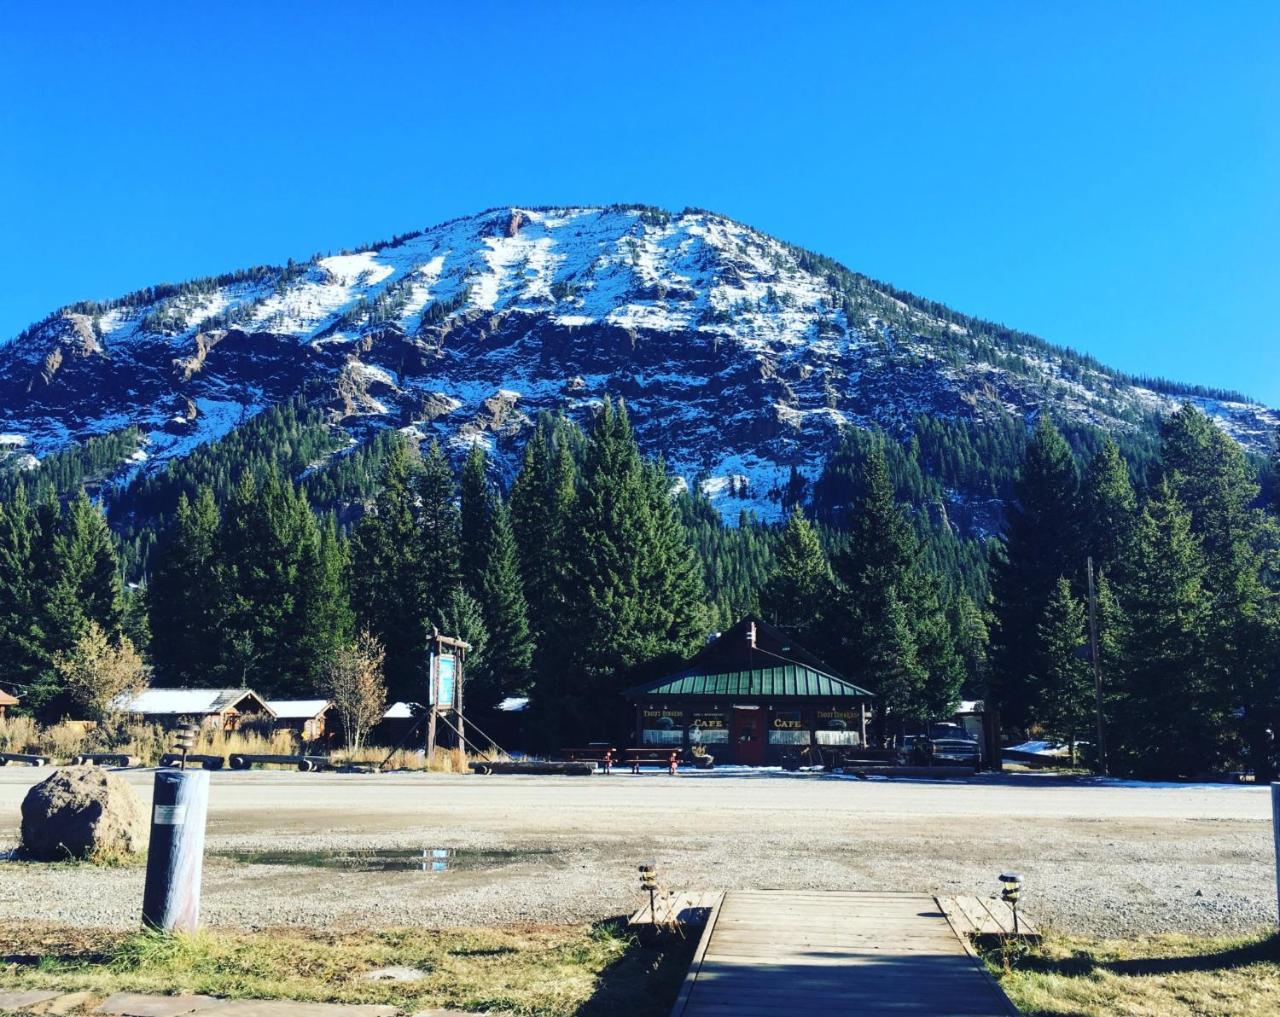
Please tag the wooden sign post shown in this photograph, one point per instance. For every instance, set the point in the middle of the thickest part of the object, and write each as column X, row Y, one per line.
column 445, row 681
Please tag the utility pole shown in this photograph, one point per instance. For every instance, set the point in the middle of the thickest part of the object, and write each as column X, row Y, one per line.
column 1097, row 667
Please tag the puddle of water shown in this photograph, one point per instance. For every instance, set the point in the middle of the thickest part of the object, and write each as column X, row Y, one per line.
column 395, row 860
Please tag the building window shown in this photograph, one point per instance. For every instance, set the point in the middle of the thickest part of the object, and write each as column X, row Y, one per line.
column 708, row 729
column 662, row 727
column 838, row 727
column 787, row 727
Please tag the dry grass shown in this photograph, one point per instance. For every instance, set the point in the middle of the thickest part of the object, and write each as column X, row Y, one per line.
column 547, row 971
column 1157, row 976
column 148, row 742
column 18, row 734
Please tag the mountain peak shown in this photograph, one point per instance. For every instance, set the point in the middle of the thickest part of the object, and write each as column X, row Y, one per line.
column 740, row 355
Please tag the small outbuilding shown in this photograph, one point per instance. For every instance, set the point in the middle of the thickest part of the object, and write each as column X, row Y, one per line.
column 310, row 718
column 220, row 708
column 6, row 701
column 752, row 696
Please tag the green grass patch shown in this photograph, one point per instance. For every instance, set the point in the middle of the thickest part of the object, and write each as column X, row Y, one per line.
column 1154, row 976
column 540, row 971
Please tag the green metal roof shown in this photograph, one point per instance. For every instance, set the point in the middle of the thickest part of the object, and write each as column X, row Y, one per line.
column 784, row 680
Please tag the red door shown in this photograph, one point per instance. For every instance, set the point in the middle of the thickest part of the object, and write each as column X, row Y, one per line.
column 746, row 735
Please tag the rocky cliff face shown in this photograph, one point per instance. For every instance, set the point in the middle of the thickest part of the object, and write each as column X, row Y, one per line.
column 739, row 356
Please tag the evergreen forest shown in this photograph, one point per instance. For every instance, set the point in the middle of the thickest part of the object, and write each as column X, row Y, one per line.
column 959, row 559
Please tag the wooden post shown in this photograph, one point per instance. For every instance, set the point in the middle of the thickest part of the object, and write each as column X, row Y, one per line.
column 1275, row 833
column 862, row 709
column 175, row 858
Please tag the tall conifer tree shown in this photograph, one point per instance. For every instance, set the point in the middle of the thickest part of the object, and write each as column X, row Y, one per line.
column 1065, row 680
column 634, row 591
column 1108, row 507
column 475, row 512
column 506, row 616
column 798, row 593
column 1169, row 714
column 184, row 596
column 1210, row 475
column 388, row 581
column 1040, row 544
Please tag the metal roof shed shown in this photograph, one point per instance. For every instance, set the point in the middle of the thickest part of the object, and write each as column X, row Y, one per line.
column 210, row 706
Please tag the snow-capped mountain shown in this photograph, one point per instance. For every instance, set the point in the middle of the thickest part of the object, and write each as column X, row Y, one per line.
column 740, row 356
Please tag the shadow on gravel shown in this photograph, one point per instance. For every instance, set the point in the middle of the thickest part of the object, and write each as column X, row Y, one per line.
column 1079, row 963
column 644, row 981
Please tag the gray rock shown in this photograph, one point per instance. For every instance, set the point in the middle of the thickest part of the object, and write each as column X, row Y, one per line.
column 82, row 811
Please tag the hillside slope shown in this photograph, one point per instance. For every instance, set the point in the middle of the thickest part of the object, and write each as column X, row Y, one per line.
column 740, row 356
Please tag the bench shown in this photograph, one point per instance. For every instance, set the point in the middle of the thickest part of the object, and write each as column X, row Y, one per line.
column 668, row 757
column 23, row 757
column 307, row 764
column 604, row 755
column 106, row 759
column 206, row 762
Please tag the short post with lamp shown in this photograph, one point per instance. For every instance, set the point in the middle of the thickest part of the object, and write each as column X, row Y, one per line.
column 649, row 882
column 1011, row 890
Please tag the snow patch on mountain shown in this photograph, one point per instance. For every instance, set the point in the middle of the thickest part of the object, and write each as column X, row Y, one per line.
column 740, row 357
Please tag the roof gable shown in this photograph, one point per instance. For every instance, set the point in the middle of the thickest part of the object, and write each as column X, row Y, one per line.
column 184, row 702
column 783, row 680
column 298, row 709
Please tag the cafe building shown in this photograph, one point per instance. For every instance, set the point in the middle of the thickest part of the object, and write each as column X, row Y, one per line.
column 755, row 697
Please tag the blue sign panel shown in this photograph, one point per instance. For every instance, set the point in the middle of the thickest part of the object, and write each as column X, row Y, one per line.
column 446, row 680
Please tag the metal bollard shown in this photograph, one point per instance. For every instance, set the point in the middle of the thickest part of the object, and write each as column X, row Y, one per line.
column 1275, row 833
column 175, row 859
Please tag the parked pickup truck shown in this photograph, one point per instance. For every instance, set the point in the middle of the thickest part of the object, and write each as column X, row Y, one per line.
column 947, row 750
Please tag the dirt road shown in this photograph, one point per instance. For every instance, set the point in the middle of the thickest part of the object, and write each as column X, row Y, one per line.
column 1099, row 858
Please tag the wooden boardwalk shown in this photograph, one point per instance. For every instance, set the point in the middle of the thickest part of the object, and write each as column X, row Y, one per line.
column 768, row 953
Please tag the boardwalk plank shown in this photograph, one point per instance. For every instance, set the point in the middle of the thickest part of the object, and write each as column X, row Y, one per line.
column 874, row 955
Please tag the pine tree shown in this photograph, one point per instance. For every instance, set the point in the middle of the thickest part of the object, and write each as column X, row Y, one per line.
column 1065, row 681
column 1275, row 475
column 1169, row 717
column 439, row 524
column 972, row 640
column 328, row 622
column 268, row 551
column 1210, row 475
column 21, row 638
column 541, row 508
column 388, row 581
column 79, row 583
column 460, row 615
column 892, row 665
column 1039, row 545
column 475, row 510
column 1108, row 507
column 890, row 604
column 634, row 590
column 800, row 587
column 506, row 618
column 184, row 596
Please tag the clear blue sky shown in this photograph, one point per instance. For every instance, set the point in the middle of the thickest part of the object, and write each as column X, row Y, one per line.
column 1104, row 175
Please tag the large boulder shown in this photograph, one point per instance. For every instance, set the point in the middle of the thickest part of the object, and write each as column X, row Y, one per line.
column 82, row 812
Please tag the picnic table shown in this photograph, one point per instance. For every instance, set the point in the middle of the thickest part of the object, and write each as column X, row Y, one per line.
column 669, row 757
column 604, row 755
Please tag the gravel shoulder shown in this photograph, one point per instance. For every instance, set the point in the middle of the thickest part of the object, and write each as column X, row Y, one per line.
column 1099, row 858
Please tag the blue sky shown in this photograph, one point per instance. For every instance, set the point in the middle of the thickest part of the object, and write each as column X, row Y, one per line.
column 1104, row 175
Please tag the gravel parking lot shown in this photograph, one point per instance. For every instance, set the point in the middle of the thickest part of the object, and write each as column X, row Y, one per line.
column 1100, row 858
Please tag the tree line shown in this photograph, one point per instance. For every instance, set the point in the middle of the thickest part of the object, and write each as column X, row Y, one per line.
column 587, row 573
